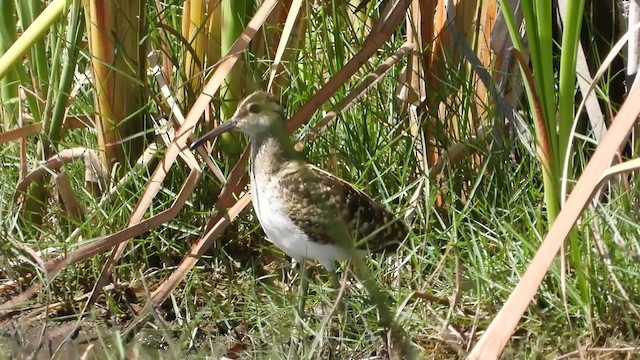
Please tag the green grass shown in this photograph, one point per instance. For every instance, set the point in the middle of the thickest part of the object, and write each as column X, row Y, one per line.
column 242, row 295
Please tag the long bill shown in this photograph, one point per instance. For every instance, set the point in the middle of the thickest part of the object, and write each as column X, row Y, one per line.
column 219, row 130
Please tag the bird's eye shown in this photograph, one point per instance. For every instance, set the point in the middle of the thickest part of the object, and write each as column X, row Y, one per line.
column 254, row 108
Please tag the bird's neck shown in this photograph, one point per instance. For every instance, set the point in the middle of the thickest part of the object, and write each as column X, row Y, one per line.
column 270, row 152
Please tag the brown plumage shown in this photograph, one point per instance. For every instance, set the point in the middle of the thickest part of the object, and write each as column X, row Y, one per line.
column 327, row 196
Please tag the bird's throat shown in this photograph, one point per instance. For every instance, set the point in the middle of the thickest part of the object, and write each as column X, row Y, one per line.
column 269, row 154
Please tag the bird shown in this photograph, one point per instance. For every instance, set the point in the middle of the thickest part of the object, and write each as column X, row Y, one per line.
column 306, row 212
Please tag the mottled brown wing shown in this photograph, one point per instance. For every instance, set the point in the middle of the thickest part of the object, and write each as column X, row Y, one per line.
column 320, row 201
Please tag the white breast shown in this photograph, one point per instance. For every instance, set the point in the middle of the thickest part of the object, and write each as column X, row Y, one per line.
column 284, row 234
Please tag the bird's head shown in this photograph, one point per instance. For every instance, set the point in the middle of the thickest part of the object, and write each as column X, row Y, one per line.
column 258, row 114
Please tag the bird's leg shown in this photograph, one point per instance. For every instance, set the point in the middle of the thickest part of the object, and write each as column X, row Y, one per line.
column 337, row 291
column 302, row 298
column 336, row 284
column 304, row 288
